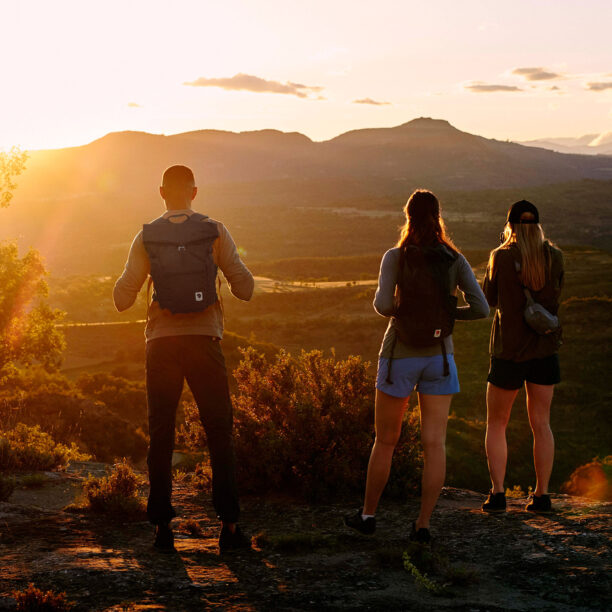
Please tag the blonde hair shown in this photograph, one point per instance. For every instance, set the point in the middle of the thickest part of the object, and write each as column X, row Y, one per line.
column 534, row 249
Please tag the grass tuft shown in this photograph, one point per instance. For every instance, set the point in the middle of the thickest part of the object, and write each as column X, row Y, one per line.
column 295, row 542
column 33, row 599
column 516, row 492
column 192, row 527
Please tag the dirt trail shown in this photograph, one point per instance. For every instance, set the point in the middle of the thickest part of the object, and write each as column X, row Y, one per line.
column 518, row 561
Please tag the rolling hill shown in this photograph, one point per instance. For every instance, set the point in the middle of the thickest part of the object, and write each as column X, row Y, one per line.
column 90, row 199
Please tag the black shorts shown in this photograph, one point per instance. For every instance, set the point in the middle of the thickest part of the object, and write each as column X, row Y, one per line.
column 512, row 374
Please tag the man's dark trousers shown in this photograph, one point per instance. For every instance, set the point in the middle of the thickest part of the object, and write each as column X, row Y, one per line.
column 200, row 361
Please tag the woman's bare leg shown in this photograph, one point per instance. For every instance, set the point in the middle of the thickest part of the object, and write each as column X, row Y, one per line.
column 434, row 417
column 499, row 406
column 389, row 412
column 539, row 399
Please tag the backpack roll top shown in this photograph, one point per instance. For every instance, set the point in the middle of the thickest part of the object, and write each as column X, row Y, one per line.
column 182, row 265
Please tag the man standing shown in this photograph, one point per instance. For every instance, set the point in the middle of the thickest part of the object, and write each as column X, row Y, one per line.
column 181, row 251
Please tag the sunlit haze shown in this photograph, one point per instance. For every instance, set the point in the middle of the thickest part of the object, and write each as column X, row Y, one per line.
column 74, row 71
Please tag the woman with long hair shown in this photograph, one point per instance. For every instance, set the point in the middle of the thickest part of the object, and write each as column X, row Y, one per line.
column 525, row 263
column 423, row 264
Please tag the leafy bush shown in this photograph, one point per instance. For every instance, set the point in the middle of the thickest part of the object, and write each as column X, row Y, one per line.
column 592, row 480
column 28, row 331
column 69, row 417
column 30, row 448
column 35, row 600
column 7, row 486
column 124, row 397
column 305, row 425
column 33, row 378
column 115, row 494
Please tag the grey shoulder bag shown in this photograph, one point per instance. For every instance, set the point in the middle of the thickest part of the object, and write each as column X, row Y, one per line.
column 536, row 316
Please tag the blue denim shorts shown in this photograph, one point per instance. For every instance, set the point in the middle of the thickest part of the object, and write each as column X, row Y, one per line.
column 426, row 374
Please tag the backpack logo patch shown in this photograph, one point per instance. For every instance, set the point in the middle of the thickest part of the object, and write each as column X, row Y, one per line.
column 199, row 296
column 437, row 333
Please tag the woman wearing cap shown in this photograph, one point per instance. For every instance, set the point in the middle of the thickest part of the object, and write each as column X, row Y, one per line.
column 519, row 355
column 404, row 367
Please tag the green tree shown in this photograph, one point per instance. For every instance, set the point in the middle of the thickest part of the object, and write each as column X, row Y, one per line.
column 28, row 332
column 12, row 163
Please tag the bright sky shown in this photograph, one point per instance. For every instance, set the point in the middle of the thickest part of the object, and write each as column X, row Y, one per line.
column 73, row 71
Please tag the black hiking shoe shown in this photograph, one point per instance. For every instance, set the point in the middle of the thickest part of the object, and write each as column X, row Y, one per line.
column 422, row 535
column 367, row 526
column 164, row 538
column 496, row 502
column 540, row 504
column 229, row 541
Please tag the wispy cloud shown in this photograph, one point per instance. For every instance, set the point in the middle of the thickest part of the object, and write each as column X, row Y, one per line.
column 536, row 74
column 490, row 88
column 134, row 105
column 371, row 102
column 248, row 82
column 599, row 85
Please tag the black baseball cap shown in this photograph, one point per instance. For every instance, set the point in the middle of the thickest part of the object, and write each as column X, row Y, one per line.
column 520, row 207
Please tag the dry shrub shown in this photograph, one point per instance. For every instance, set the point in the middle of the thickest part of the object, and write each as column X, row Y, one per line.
column 593, row 480
column 35, row 600
column 115, row 494
column 304, row 425
column 30, row 448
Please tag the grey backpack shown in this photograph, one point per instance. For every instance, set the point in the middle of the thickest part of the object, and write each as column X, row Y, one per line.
column 182, row 265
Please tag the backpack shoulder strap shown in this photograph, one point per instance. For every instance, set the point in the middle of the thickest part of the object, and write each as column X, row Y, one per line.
column 528, row 296
column 196, row 216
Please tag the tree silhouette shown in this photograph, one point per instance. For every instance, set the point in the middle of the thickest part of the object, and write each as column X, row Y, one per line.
column 28, row 332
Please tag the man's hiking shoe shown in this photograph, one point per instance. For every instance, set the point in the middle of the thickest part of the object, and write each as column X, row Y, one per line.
column 233, row 541
column 367, row 526
column 496, row 502
column 422, row 535
column 164, row 538
column 540, row 504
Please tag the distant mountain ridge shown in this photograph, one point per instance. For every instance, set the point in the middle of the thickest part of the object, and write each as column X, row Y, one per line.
column 425, row 151
column 589, row 144
column 91, row 198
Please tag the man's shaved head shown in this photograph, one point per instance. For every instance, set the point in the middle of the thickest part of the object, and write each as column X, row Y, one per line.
column 178, row 178
column 178, row 187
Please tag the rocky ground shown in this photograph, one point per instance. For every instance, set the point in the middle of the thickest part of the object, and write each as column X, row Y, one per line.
column 305, row 559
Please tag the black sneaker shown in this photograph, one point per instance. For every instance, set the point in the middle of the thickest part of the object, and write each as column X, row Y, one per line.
column 496, row 502
column 233, row 541
column 540, row 504
column 367, row 526
column 164, row 538
column 422, row 535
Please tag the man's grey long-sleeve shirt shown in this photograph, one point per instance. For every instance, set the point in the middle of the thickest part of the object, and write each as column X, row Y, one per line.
column 161, row 322
column 460, row 276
